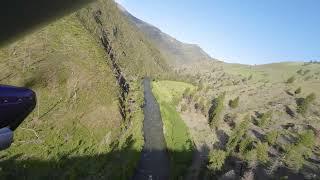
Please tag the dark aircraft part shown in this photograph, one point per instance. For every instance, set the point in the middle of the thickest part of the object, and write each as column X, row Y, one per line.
column 16, row 104
column 19, row 17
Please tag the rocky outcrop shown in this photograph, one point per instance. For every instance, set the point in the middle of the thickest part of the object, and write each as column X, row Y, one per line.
column 124, row 86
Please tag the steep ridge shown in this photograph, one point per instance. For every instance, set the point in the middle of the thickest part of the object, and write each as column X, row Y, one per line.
column 176, row 52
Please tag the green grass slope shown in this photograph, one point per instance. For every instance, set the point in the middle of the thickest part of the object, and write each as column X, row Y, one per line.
column 134, row 53
column 179, row 143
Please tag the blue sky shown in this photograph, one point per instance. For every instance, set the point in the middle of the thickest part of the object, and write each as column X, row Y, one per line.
column 240, row 31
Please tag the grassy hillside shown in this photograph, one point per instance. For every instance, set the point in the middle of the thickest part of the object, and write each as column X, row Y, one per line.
column 179, row 143
column 133, row 52
column 84, row 125
column 279, row 101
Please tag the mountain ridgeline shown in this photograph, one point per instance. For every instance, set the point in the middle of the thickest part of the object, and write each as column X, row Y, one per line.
column 176, row 52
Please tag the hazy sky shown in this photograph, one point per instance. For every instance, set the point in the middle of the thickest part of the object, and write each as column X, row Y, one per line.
column 242, row 31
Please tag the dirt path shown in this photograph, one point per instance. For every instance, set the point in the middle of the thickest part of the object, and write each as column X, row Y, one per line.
column 154, row 162
column 203, row 138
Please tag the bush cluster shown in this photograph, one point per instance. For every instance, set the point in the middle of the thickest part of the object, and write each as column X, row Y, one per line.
column 216, row 110
column 234, row 103
column 216, row 160
column 304, row 103
column 271, row 137
column 237, row 134
column 265, row 119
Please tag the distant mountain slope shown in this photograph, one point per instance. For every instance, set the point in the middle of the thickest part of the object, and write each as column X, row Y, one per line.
column 176, row 52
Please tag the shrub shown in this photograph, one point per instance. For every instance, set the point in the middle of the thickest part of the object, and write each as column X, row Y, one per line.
column 303, row 104
column 291, row 80
column 271, row 137
column 237, row 134
column 265, row 119
column 245, row 145
column 216, row 110
column 294, row 158
column 307, row 139
column 298, row 91
column 234, row 103
column 262, row 152
column 216, row 160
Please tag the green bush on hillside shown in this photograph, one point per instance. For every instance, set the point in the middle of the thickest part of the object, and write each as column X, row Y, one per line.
column 271, row 137
column 234, row 103
column 237, row 134
column 216, row 160
column 296, row 154
column 307, row 139
column 216, row 110
column 245, row 145
column 294, row 157
column 291, row 80
column 262, row 152
column 265, row 119
column 304, row 103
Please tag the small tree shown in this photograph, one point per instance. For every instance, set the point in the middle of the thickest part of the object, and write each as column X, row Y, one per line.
column 216, row 110
column 304, row 103
column 291, row 80
column 237, row 134
column 234, row 103
column 216, row 160
column 298, row 91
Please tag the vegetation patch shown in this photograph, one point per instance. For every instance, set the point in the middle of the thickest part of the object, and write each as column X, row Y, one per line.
column 234, row 103
column 216, row 110
column 304, row 103
column 179, row 143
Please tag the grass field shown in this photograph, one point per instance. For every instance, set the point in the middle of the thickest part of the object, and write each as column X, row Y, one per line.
column 177, row 136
